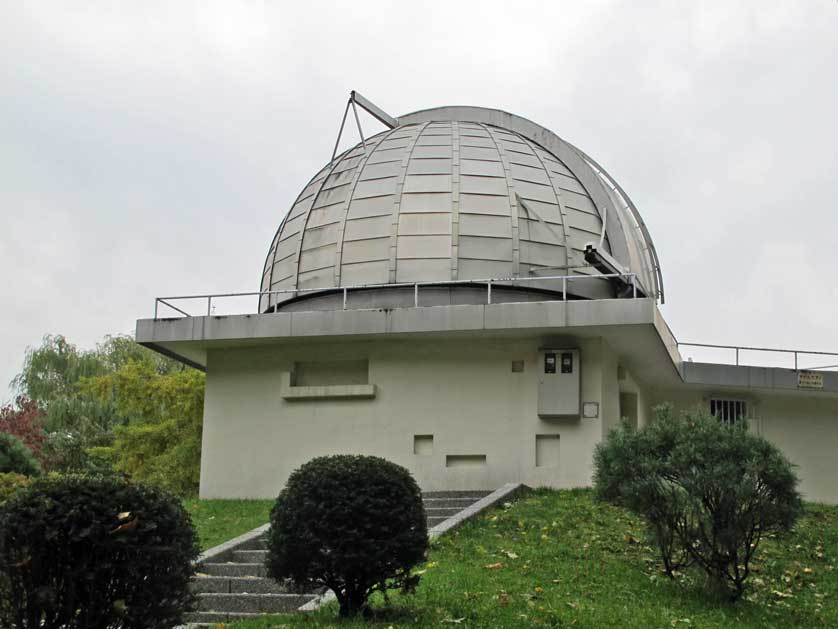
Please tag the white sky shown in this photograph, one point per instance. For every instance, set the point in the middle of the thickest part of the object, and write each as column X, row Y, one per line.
column 153, row 148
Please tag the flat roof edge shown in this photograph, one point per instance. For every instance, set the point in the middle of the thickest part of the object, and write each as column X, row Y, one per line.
column 750, row 377
column 421, row 320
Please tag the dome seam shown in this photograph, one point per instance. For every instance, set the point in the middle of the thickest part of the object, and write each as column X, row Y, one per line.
column 276, row 239
column 393, row 258
column 513, row 202
column 559, row 202
column 341, row 231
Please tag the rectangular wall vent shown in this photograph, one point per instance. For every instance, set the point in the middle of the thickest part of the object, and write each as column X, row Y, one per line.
column 465, row 460
column 330, row 373
column 423, row 445
column 547, row 450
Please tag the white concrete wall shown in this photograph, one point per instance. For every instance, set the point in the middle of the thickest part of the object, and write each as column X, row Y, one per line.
column 804, row 427
column 464, row 393
column 628, row 384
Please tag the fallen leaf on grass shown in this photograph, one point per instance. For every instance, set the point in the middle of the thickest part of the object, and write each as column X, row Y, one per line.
column 454, row 621
column 494, row 566
column 510, row 554
column 128, row 526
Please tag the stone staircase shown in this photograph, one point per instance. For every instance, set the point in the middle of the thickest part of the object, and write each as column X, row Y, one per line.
column 231, row 585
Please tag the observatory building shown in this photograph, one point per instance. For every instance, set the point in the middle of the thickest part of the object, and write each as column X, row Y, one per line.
column 472, row 297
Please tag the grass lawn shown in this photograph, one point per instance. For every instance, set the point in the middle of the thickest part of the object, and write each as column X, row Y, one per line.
column 557, row 559
column 219, row 520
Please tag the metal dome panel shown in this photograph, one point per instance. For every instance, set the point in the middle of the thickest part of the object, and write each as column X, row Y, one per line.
column 454, row 193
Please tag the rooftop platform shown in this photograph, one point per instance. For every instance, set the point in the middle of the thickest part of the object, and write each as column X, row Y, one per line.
column 634, row 328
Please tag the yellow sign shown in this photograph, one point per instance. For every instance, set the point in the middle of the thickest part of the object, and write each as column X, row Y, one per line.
column 809, row 380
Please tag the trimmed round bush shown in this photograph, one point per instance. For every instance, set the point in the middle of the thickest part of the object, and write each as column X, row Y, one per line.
column 81, row 552
column 16, row 458
column 354, row 524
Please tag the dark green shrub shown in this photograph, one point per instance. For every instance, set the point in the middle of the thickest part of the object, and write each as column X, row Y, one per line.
column 83, row 552
column 354, row 524
column 709, row 491
column 16, row 457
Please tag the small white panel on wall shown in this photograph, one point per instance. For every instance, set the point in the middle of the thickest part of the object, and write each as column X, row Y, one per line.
column 559, row 383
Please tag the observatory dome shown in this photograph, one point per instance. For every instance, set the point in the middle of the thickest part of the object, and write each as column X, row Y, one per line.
column 461, row 194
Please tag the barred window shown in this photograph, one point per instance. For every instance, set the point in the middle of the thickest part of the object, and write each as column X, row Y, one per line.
column 729, row 411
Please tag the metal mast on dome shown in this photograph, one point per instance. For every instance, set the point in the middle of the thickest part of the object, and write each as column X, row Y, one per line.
column 376, row 112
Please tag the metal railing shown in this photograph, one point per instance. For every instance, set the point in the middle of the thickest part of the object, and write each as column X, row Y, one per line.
column 629, row 278
column 797, row 353
column 566, row 280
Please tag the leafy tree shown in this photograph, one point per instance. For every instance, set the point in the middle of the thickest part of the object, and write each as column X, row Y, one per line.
column 10, row 484
column 75, row 420
column 16, row 458
column 161, row 443
column 25, row 420
column 710, row 491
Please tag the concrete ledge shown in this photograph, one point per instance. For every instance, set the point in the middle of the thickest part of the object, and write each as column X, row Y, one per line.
column 507, row 492
column 358, row 391
column 409, row 321
column 776, row 379
column 224, row 552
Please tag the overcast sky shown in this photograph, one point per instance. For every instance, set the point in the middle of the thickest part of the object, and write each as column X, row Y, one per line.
column 153, row 148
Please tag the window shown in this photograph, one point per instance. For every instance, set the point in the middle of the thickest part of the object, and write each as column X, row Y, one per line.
column 729, row 411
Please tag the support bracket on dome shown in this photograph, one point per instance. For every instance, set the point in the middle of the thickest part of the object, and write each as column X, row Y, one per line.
column 607, row 265
column 376, row 112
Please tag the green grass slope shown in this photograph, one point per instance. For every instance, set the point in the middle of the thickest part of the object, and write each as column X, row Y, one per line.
column 220, row 520
column 560, row 559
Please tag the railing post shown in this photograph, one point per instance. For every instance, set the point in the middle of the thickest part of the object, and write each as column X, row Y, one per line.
column 209, row 305
column 795, row 361
column 634, row 285
column 344, row 297
column 489, row 292
column 737, row 356
column 564, row 288
column 156, row 303
column 416, row 295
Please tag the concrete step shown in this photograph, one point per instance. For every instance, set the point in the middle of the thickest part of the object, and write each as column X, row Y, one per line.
column 232, row 569
column 462, row 503
column 456, row 494
column 433, row 521
column 239, row 585
column 250, row 556
column 252, row 603
column 213, row 619
column 442, row 511
column 258, row 543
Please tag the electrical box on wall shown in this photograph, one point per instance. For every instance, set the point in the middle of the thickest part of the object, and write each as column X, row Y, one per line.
column 559, row 383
